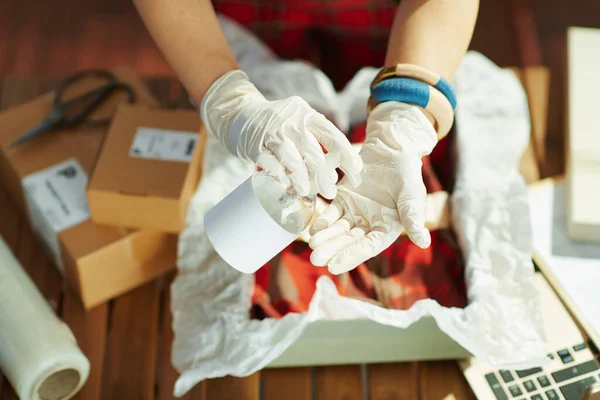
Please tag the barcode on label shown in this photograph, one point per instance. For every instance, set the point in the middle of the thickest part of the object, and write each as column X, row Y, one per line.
column 163, row 144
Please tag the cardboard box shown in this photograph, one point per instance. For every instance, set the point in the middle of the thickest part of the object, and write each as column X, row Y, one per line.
column 148, row 169
column 47, row 177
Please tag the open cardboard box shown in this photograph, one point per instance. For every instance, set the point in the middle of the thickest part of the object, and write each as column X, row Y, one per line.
column 366, row 341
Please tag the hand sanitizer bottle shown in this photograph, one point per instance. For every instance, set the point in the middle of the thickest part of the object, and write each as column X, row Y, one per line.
column 256, row 221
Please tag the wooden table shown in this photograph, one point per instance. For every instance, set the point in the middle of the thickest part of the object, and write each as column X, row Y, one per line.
column 128, row 341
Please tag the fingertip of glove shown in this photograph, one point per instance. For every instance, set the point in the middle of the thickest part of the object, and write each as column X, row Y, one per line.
column 317, row 226
column 337, row 269
column 421, row 238
column 314, row 259
column 329, row 193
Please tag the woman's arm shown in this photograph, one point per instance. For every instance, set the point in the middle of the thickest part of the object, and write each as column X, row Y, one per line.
column 434, row 34
column 189, row 36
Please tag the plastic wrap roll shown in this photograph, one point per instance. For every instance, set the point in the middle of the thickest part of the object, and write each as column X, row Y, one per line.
column 38, row 352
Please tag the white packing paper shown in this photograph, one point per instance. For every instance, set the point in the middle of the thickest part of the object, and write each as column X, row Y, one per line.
column 502, row 325
column 574, row 264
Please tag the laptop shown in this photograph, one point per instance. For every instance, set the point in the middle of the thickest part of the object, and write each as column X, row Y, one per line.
column 572, row 371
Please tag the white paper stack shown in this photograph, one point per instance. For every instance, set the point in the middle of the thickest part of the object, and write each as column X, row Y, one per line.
column 583, row 127
column 572, row 267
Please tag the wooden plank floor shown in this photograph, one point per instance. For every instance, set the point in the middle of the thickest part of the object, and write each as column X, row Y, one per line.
column 128, row 341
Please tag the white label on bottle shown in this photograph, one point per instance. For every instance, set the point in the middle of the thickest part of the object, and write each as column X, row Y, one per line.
column 56, row 201
column 163, row 144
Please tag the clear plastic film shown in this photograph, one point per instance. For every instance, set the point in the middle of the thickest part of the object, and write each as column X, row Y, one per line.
column 38, row 352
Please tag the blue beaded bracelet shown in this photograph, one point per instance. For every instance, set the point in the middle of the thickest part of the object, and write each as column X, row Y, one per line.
column 421, row 74
column 412, row 91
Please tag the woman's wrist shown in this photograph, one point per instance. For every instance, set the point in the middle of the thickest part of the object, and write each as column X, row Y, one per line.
column 197, row 84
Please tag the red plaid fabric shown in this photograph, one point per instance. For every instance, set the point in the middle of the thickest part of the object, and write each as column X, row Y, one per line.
column 340, row 37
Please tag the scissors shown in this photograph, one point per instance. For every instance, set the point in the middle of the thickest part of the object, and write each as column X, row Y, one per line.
column 59, row 116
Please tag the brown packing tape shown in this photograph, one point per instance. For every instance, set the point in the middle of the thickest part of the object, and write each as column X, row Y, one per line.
column 97, row 259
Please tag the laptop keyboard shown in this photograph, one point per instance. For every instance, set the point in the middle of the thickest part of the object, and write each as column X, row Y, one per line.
column 571, row 371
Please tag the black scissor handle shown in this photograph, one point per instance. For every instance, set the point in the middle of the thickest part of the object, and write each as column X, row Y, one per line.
column 87, row 102
column 89, row 73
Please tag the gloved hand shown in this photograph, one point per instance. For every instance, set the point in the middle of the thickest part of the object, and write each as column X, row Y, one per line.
column 365, row 219
column 283, row 137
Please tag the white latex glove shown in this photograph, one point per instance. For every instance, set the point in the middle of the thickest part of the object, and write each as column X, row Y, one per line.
column 283, row 137
column 364, row 220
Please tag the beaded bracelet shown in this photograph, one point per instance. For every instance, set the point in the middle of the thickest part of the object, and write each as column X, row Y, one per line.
column 421, row 74
column 417, row 93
